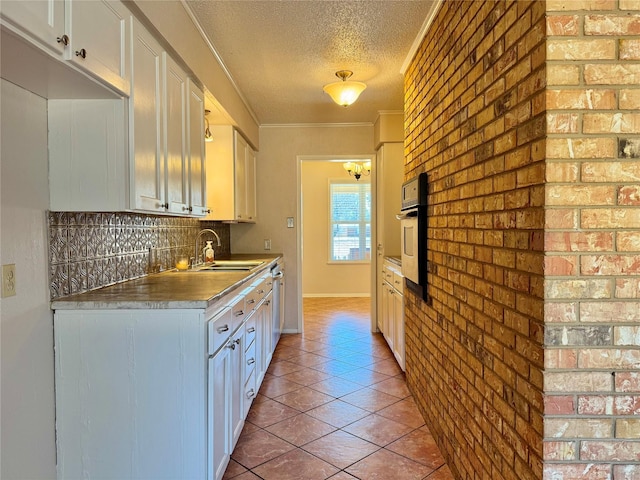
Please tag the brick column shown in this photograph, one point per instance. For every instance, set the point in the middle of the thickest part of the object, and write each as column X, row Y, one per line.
column 592, row 240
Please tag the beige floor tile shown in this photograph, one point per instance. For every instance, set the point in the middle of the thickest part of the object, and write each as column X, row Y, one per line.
column 300, row 429
column 386, row 465
column 340, row 448
column 269, row 412
column 395, row 386
column 307, row 376
column 233, row 470
column 364, row 376
column 336, row 386
column 273, row 386
column 295, row 465
column 378, row 430
column 304, row 399
column 419, row 446
column 338, row 413
column 259, row 447
column 404, row 412
column 370, row 399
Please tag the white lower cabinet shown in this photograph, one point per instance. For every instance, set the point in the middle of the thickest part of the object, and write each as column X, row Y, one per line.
column 392, row 318
column 154, row 393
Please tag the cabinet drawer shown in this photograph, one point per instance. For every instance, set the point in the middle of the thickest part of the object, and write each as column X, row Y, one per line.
column 249, row 360
column 250, row 392
column 250, row 332
column 388, row 274
column 398, row 282
column 237, row 312
column 220, row 329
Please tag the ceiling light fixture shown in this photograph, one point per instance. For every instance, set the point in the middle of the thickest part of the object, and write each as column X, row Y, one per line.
column 346, row 92
column 356, row 169
column 208, row 137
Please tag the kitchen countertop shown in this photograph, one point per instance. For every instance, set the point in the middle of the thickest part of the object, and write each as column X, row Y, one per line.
column 396, row 260
column 169, row 289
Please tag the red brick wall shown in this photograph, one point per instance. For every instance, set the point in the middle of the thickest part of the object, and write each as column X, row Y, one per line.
column 592, row 241
column 526, row 116
column 475, row 121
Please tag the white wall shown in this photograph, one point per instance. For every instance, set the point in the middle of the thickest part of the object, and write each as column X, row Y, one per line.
column 319, row 277
column 277, row 175
column 26, row 326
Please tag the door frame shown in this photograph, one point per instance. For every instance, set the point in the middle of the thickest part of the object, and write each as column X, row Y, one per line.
column 299, row 231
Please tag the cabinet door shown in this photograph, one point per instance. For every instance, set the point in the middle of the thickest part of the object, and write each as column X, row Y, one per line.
column 250, row 184
column 267, row 335
column 240, row 177
column 398, row 328
column 43, row 20
column 147, row 171
column 219, row 427
column 99, row 33
column 195, row 149
column 175, row 85
column 237, row 385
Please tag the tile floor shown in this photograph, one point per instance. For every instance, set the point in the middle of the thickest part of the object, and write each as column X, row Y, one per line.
column 334, row 404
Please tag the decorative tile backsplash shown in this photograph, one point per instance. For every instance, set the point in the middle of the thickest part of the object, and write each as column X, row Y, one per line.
column 92, row 250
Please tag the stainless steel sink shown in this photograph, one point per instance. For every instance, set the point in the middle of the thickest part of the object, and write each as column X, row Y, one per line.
column 227, row 266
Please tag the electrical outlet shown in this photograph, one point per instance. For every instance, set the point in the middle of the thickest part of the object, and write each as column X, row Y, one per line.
column 289, row 222
column 8, row 280
column 267, row 244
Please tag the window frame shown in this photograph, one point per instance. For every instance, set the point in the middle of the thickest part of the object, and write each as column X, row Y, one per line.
column 362, row 223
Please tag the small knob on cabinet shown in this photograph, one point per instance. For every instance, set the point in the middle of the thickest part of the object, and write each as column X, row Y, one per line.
column 64, row 40
column 82, row 53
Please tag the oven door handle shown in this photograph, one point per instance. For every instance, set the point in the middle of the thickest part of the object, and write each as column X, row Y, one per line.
column 409, row 214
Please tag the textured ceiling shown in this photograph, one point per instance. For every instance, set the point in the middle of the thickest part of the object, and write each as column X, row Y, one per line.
column 280, row 53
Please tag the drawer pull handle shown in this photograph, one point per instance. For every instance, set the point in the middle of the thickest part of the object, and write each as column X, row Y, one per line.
column 251, row 361
column 260, row 291
column 224, row 328
column 251, row 301
column 251, row 393
column 251, row 330
column 239, row 313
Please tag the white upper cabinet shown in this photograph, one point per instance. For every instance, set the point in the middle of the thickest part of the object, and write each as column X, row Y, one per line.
column 195, row 148
column 175, row 82
column 42, row 20
column 145, row 126
column 92, row 35
column 231, row 183
column 99, row 40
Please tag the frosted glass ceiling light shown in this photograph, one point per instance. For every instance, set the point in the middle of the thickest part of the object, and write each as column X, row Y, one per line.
column 346, row 92
column 357, row 170
column 208, row 137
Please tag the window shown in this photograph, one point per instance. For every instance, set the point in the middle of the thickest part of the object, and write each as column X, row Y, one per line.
column 350, row 222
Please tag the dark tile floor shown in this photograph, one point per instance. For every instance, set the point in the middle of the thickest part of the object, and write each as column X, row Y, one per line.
column 334, row 404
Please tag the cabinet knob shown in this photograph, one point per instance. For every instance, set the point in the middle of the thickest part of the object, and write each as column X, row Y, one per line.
column 208, row 210
column 164, row 205
column 64, row 40
column 82, row 53
column 232, row 346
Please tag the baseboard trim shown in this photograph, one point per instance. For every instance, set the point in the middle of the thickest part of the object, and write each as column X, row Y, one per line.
column 334, row 295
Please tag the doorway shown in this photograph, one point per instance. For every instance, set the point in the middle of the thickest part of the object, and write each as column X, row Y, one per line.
column 335, row 250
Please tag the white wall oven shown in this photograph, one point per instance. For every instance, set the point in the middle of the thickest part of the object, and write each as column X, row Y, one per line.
column 413, row 224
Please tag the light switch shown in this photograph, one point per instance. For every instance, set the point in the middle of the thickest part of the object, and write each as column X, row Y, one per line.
column 8, row 280
column 289, row 222
column 267, row 244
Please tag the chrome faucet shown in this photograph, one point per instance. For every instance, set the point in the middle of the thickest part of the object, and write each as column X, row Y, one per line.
column 196, row 259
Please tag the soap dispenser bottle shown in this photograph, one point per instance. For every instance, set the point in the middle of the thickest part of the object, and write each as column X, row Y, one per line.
column 208, row 253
